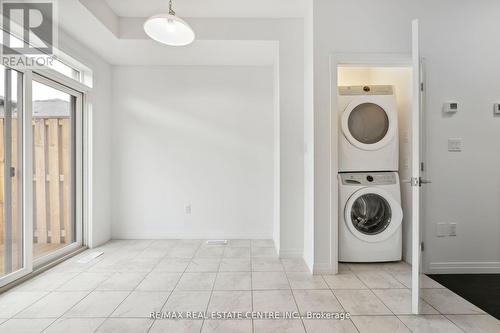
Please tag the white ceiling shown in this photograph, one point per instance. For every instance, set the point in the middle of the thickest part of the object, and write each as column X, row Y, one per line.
column 211, row 8
column 86, row 27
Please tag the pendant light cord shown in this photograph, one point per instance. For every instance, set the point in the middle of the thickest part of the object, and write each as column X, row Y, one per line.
column 170, row 10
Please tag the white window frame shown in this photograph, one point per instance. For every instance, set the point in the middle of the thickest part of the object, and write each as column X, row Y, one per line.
column 26, row 164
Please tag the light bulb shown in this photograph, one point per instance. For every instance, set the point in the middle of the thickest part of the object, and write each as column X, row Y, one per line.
column 170, row 25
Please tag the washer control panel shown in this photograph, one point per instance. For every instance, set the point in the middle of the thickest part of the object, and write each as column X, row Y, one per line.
column 373, row 178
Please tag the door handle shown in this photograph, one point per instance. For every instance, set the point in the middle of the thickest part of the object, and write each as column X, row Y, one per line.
column 416, row 181
column 425, row 181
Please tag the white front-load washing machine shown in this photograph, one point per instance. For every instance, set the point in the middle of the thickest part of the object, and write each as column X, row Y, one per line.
column 370, row 217
column 368, row 129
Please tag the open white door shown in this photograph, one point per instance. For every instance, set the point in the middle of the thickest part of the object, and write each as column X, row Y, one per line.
column 417, row 166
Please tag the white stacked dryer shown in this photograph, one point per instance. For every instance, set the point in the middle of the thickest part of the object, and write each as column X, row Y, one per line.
column 368, row 133
column 370, row 214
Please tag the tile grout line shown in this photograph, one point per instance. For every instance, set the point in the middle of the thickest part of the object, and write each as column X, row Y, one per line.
column 371, row 290
column 456, row 324
column 88, row 292
column 123, row 300
column 338, row 300
column 97, row 286
column 431, row 315
column 48, row 292
column 251, row 285
column 211, row 293
column 109, row 315
column 392, row 274
column 393, row 314
column 141, row 250
column 180, row 277
column 295, row 301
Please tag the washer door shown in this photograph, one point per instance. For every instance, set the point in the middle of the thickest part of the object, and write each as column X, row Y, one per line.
column 372, row 214
column 369, row 123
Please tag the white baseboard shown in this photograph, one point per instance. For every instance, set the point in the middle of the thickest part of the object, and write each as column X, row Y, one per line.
column 464, row 267
column 322, row 268
column 309, row 263
column 160, row 235
column 290, row 253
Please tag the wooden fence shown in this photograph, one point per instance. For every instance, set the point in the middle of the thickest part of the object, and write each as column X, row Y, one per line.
column 51, row 180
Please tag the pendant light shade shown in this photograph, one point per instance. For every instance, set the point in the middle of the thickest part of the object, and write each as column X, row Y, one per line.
column 169, row 29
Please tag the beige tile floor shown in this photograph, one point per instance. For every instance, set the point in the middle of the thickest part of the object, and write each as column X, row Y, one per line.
column 117, row 291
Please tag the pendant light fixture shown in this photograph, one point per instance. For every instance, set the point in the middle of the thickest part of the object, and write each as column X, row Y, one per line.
column 169, row 29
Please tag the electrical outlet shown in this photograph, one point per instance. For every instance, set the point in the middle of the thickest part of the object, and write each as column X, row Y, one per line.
column 442, row 229
column 450, row 107
column 187, row 209
column 453, row 229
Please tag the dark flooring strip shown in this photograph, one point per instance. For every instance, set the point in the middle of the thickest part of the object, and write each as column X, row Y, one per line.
column 482, row 290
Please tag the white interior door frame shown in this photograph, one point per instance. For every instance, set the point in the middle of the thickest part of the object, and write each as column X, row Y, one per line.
column 354, row 60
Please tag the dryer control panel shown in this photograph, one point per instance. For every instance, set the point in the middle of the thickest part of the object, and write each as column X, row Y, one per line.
column 372, row 178
column 365, row 90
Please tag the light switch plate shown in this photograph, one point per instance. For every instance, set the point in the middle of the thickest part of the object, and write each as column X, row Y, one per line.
column 453, row 229
column 455, row 144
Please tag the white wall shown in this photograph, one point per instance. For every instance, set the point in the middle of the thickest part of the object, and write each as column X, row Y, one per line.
column 220, row 41
column 460, row 43
column 290, row 35
column 462, row 64
column 99, row 97
column 202, row 136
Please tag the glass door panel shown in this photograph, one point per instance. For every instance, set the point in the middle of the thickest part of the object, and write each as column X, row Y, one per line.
column 54, row 155
column 12, row 246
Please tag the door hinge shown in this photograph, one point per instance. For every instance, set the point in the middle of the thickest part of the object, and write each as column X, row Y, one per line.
column 422, row 166
column 12, row 171
column 422, row 247
column 421, row 86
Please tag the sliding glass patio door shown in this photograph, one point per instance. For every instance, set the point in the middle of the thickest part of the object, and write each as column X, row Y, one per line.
column 14, row 256
column 41, row 172
column 57, row 159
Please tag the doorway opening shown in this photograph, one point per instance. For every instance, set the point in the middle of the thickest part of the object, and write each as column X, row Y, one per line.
column 400, row 79
column 396, row 71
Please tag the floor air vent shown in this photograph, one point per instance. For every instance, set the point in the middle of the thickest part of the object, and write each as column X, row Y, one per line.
column 217, row 242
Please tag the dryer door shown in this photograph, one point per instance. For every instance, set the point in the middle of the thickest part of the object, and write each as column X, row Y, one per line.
column 372, row 214
column 369, row 122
